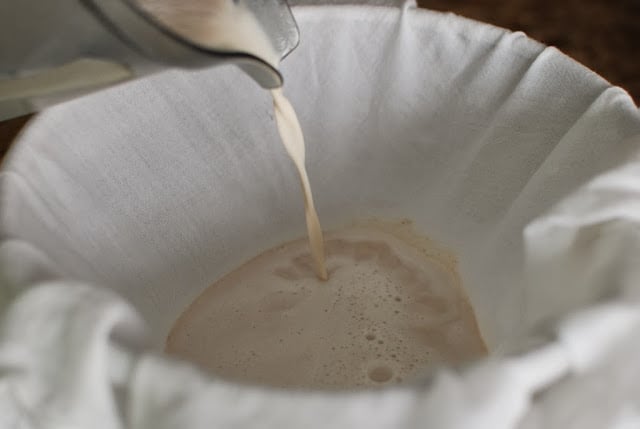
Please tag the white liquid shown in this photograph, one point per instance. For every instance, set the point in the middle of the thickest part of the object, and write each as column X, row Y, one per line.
column 293, row 140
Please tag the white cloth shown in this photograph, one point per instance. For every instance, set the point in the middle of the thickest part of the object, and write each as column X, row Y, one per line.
column 145, row 193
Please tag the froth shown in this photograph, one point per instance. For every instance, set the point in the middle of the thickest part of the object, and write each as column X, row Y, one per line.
column 387, row 312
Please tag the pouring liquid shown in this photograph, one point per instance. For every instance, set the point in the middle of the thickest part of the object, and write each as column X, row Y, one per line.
column 225, row 24
column 293, row 141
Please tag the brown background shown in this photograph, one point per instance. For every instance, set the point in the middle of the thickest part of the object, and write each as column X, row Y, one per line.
column 602, row 34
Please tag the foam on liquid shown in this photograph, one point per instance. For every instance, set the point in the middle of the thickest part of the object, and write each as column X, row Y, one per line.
column 388, row 311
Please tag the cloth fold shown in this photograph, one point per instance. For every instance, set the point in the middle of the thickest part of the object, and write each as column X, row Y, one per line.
column 118, row 209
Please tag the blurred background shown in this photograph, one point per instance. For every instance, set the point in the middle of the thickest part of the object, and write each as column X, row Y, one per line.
column 604, row 35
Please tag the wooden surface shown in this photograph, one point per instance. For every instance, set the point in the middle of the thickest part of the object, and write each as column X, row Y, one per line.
column 604, row 35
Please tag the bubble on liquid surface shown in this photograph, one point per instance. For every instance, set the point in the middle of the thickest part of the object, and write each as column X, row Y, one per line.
column 380, row 374
column 311, row 334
